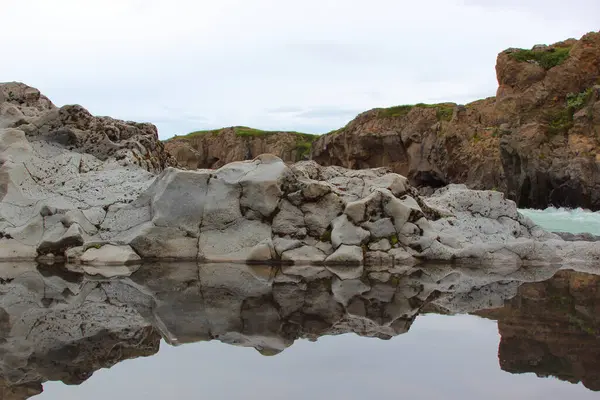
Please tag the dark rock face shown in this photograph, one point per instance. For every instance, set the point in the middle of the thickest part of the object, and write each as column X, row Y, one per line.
column 60, row 324
column 552, row 328
column 538, row 140
column 213, row 149
column 431, row 145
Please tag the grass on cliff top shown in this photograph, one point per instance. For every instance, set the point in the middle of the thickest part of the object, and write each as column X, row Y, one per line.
column 303, row 146
column 246, row 131
column 443, row 110
column 545, row 58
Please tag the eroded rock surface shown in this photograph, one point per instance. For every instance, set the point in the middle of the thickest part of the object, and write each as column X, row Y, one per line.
column 91, row 199
column 124, row 142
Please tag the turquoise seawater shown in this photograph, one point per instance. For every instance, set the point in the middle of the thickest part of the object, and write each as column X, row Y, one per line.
column 566, row 220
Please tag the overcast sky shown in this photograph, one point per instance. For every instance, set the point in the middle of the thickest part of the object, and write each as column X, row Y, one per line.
column 307, row 65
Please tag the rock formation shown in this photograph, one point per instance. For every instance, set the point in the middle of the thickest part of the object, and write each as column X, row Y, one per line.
column 213, row 149
column 57, row 323
column 551, row 328
column 538, row 140
column 86, row 188
column 74, row 128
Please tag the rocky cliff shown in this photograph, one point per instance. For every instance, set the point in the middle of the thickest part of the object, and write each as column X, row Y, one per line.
column 215, row 148
column 538, row 140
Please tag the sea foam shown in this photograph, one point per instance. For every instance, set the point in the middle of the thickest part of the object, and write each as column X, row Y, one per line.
column 575, row 220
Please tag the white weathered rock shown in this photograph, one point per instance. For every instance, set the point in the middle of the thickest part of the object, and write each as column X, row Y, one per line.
column 402, row 257
column 399, row 210
column 178, row 198
column 380, row 245
column 346, row 255
column 78, row 217
column 264, row 251
column 122, row 217
column 95, row 215
column 261, row 187
column 59, row 239
column 154, row 242
column 74, row 254
column 11, row 249
column 486, row 203
column 381, row 228
column 282, row 244
column 318, row 215
column 31, row 233
column 360, row 210
column 235, row 242
column 325, row 247
column 289, row 220
column 345, row 232
column 110, row 254
column 304, row 254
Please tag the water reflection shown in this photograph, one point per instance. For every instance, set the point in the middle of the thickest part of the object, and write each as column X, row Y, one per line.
column 552, row 328
column 60, row 324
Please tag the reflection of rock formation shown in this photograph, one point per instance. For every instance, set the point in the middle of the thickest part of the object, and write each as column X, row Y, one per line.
column 553, row 328
column 62, row 325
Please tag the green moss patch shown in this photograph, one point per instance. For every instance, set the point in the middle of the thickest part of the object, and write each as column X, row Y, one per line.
column 304, row 145
column 444, row 111
column 246, row 131
column 198, row 133
column 395, row 112
column 576, row 101
column 326, row 236
column 559, row 122
column 545, row 58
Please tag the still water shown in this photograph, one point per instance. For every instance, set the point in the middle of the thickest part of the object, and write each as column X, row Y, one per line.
column 222, row 331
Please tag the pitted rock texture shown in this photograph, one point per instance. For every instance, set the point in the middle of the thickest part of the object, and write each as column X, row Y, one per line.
column 72, row 126
column 57, row 323
column 538, row 140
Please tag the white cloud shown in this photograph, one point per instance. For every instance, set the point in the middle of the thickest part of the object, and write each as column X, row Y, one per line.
column 188, row 65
